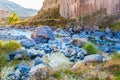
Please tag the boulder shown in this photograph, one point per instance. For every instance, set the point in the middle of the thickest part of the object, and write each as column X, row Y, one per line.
column 27, row 43
column 16, row 54
column 24, row 68
column 37, row 61
column 57, row 61
column 32, row 53
column 98, row 34
column 72, row 59
column 34, row 69
column 118, row 35
column 93, row 58
column 107, row 30
column 117, row 47
column 81, row 54
column 47, row 49
column 42, row 34
column 79, row 41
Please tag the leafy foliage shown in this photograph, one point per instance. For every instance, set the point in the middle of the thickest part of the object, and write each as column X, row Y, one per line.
column 57, row 74
column 9, row 46
column 90, row 48
column 1, row 43
column 6, row 48
column 116, row 56
column 13, row 18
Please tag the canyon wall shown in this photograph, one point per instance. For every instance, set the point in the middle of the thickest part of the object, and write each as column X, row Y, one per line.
column 47, row 4
column 77, row 8
column 4, row 14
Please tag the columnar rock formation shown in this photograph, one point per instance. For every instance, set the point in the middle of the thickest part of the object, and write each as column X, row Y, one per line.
column 77, row 8
column 50, row 4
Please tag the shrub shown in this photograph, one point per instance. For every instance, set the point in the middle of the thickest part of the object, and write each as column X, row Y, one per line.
column 116, row 56
column 3, row 61
column 1, row 46
column 10, row 46
column 57, row 74
column 90, row 48
column 1, row 43
column 118, row 78
column 13, row 18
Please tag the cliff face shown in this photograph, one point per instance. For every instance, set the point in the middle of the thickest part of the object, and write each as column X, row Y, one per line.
column 50, row 4
column 4, row 14
column 4, row 17
column 77, row 8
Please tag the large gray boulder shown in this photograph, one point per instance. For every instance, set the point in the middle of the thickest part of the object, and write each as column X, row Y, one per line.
column 42, row 34
column 27, row 43
column 93, row 58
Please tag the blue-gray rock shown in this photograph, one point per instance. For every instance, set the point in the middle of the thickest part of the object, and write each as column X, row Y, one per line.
column 93, row 58
column 107, row 48
column 37, row 61
column 98, row 34
column 79, row 41
column 27, row 43
column 30, row 54
column 39, row 55
column 17, row 74
column 117, row 47
column 43, row 34
column 18, row 56
column 13, row 54
column 47, row 49
column 72, row 59
column 118, row 35
column 107, row 30
column 24, row 68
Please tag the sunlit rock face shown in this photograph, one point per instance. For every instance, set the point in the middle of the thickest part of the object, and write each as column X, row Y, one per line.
column 4, row 14
column 77, row 8
column 50, row 4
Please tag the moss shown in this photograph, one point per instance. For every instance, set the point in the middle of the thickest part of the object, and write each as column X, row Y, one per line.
column 117, row 78
column 1, row 43
column 3, row 61
column 67, row 71
column 10, row 46
column 90, row 48
column 116, row 56
column 5, row 49
column 57, row 74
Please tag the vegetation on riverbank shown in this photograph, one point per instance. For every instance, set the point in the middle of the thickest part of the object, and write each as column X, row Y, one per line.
column 5, row 49
column 90, row 48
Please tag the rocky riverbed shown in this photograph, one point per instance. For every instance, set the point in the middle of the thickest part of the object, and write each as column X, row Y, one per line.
column 56, row 49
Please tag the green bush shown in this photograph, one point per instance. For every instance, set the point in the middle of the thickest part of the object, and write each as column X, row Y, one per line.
column 1, row 46
column 1, row 43
column 90, row 48
column 116, row 56
column 57, row 75
column 13, row 18
column 6, row 48
column 3, row 61
column 117, row 78
column 11, row 46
